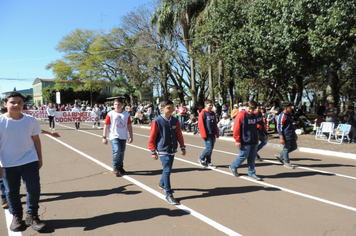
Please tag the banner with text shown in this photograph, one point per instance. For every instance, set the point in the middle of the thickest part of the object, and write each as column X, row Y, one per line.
column 65, row 116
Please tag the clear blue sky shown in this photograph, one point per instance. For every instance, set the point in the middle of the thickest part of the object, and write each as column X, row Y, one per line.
column 30, row 31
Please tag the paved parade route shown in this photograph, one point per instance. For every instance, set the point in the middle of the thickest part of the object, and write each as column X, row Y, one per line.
column 80, row 195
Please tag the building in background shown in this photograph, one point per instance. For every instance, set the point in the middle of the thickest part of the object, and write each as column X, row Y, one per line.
column 40, row 84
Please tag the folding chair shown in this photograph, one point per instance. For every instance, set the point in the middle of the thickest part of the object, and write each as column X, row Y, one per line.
column 341, row 131
column 325, row 127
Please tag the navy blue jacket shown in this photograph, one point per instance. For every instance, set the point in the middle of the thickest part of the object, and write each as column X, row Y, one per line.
column 164, row 136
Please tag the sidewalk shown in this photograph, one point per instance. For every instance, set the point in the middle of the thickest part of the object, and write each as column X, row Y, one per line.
column 306, row 143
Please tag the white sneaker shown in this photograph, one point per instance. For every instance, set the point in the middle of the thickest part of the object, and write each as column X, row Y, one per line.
column 93, row 126
column 50, row 128
column 53, row 129
column 99, row 128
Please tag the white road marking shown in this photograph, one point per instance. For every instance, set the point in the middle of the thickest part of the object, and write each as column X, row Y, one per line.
column 190, row 211
column 274, row 162
column 249, row 179
column 8, row 218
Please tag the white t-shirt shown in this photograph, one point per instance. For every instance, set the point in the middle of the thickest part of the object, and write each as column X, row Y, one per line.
column 16, row 145
column 225, row 122
column 50, row 111
column 118, row 124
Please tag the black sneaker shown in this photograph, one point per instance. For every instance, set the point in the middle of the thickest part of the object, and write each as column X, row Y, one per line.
column 161, row 186
column 171, row 200
column 234, row 171
column 4, row 203
column 258, row 158
column 16, row 224
column 279, row 157
column 122, row 171
column 255, row 177
column 35, row 222
column 202, row 163
column 211, row 165
column 115, row 171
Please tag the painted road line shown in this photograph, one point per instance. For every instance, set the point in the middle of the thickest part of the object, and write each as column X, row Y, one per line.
column 274, row 162
column 190, row 211
column 301, row 149
column 8, row 218
column 258, row 182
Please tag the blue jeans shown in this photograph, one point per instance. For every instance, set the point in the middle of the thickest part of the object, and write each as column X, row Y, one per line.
column 209, row 146
column 181, row 121
column 167, row 163
column 222, row 129
column 263, row 141
column 248, row 152
column 2, row 187
column 118, row 151
column 149, row 117
column 12, row 180
column 289, row 146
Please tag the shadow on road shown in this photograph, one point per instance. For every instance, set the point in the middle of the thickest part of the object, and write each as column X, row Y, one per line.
column 222, row 191
column 96, row 222
column 83, row 194
column 294, row 175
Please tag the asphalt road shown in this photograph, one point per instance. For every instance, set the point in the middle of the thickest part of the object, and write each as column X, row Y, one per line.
column 80, row 195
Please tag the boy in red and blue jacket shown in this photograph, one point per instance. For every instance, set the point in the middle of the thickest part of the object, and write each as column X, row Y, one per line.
column 262, row 131
column 209, row 131
column 245, row 133
column 287, row 135
column 164, row 135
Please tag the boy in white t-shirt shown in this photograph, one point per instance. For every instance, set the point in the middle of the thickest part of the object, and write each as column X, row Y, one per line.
column 20, row 157
column 117, row 123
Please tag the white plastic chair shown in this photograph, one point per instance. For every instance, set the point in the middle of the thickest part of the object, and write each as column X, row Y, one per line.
column 325, row 127
column 342, row 131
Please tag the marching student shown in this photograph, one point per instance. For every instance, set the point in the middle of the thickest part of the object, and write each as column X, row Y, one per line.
column 262, row 131
column 245, row 134
column 20, row 161
column 117, row 123
column 96, row 113
column 209, row 131
column 164, row 135
column 76, row 108
column 287, row 135
column 50, row 112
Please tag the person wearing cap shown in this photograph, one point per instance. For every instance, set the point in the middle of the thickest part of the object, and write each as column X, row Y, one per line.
column 223, row 124
column 234, row 111
column 241, row 107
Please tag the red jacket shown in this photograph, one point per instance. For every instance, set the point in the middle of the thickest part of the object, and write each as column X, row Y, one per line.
column 202, row 124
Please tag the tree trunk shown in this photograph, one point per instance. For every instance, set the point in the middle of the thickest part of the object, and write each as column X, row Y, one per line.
column 221, row 79
column 334, row 82
column 192, row 77
column 211, row 89
column 231, row 88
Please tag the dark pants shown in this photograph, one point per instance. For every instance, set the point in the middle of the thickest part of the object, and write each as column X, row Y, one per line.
column 51, row 121
column 2, row 187
column 289, row 146
column 12, row 181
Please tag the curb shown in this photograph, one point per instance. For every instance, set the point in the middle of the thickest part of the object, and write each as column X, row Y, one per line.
column 301, row 149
